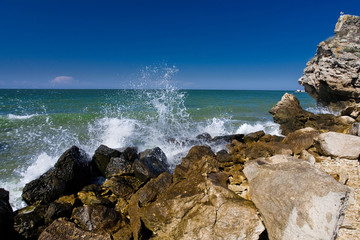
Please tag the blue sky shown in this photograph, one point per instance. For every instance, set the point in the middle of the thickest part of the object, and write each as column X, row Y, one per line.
column 213, row 44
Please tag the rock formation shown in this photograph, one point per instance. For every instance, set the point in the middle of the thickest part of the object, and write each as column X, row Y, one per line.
column 291, row 116
column 332, row 77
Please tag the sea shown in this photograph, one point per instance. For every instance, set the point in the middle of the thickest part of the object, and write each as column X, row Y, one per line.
column 37, row 126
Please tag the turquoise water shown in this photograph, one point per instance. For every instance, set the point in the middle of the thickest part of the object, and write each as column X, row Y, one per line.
column 37, row 126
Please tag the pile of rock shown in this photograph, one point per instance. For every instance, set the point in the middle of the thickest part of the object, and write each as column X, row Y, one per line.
column 260, row 187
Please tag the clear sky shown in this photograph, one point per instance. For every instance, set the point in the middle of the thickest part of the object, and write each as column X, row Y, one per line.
column 237, row 44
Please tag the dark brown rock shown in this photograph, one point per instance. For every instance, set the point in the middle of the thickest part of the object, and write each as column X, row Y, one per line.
column 123, row 186
column 29, row 220
column 253, row 137
column 195, row 153
column 102, row 158
column 301, row 139
column 71, row 172
column 62, row 229
column 291, row 117
column 150, row 164
column 145, row 196
column 6, row 216
column 96, row 218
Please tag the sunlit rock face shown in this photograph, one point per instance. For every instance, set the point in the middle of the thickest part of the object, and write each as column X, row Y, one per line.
column 332, row 77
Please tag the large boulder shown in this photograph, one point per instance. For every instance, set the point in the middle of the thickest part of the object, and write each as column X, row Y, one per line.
column 62, row 229
column 291, row 117
column 71, row 172
column 200, row 206
column 332, row 76
column 295, row 199
column 339, row 145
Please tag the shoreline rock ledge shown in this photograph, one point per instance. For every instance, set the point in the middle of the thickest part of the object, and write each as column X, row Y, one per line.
column 332, row 77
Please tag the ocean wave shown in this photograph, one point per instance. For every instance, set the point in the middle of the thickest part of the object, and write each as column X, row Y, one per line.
column 268, row 127
column 21, row 117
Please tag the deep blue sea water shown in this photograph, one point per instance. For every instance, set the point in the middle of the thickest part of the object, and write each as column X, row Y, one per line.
column 37, row 126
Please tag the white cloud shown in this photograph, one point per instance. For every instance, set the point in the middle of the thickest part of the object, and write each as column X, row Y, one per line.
column 62, row 80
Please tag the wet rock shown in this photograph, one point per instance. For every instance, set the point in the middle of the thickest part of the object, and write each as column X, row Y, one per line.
column 201, row 207
column 71, row 172
column 123, row 186
column 6, row 215
column 301, row 139
column 291, row 205
column 332, row 76
column 118, row 166
column 62, row 229
column 95, row 218
column 291, row 117
column 228, row 138
column 223, row 156
column 93, row 195
column 29, row 220
column 57, row 210
column 339, row 145
column 253, row 137
column 204, row 137
column 195, row 153
column 150, row 164
column 102, row 158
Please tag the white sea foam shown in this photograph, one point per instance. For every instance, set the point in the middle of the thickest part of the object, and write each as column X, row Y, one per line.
column 21, row 117
column 268, row 127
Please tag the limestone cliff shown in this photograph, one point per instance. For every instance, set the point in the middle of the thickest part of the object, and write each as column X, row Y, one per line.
column 332, row 77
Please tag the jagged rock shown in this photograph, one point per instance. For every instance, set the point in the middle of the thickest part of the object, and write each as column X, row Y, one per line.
column 118, row 166
column 150, row 164
column 301, row 139
column 29, row 220
column 62, row 229
column 355, row 129
column 228, row 138
column 93, row 195
column 332, row 76
column 57, row 210
column 71, row 172
column 243, row 152
column 291, row 117
column 339, row 145
column 253, row 137
column 144, row 197
column 296, row 200
column 195, row 153
column 123, row 186
column 102, row 157
column 204, row 137
column 201, row 207
column 6, row 215
column 96, row 218
column 223, row 156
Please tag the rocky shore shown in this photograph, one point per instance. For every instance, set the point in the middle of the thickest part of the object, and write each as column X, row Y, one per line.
column 304, row 185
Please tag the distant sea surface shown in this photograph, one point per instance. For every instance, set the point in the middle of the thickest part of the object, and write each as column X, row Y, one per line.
column 37, row 126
